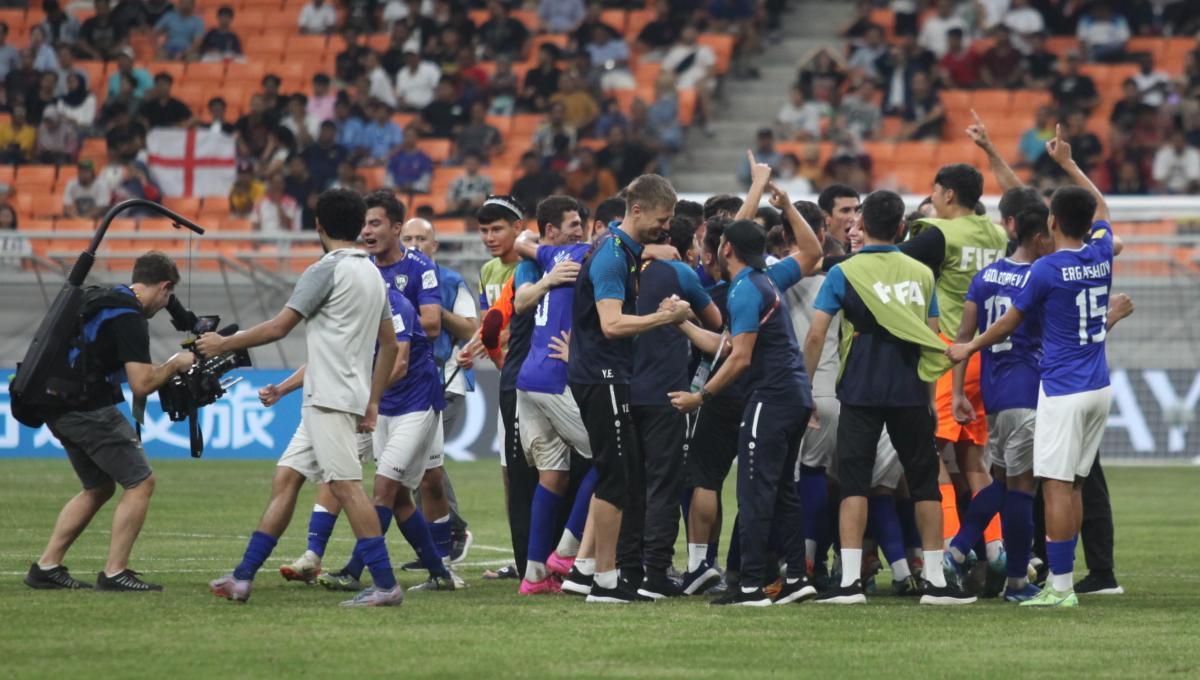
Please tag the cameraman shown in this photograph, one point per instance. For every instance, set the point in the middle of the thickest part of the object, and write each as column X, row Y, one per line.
column 99, row 441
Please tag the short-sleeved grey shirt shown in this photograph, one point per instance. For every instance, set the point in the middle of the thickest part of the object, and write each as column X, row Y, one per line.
column 343, row 299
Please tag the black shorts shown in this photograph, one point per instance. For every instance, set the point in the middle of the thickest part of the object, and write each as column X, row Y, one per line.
column 911, row 429
column 713, row 442
column 102, row 447
column 609, row 424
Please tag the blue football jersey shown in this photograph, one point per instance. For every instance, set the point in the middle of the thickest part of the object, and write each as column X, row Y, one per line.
column 1009, row 373
column 1070, row 289
column 421, row 387
column 415, row 276
column 540, row 373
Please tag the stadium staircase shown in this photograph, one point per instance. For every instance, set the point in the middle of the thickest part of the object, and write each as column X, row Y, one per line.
column 708, row 164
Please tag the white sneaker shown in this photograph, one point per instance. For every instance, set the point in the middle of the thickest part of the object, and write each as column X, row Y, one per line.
column 305, row 569
column 374, row 597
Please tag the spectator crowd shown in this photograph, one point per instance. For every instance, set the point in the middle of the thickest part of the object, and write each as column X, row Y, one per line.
column 905, row 62
column 416, row 86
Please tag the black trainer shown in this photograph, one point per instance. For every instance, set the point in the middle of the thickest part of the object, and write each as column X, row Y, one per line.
column 415, row 565
column 576, row 583
column 126, row 582
column 851, row 594
column 1099, row 583
column 909, row 587
column 622, row 594
column 658, row 587
column 738, row 597
column 795, row 590
column 703, row 579
column 58, row 578
column 948, row 594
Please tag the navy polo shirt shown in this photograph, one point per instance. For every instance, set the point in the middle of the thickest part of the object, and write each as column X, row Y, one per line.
column 661, row 355
column 610, row 272
column 756, row 305
column 881, row 369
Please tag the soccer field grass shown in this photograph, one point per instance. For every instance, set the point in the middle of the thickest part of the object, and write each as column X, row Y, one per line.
column 203, row 512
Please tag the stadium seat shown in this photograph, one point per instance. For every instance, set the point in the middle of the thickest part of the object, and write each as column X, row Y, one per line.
column 438, row 150
column 956, row 99
column 36, row 176
column 8, row 174
column 37, row 225
column 502, row 178
column 991, row 102
column 236, row 224
column 175, row 70
column 525, row 124
column 74, row 224
column 880, row 152
column 885, row 18
column 306, row 45
column 722, row 46
column 66, row 173
column 207, row 73
column 528, row 17
column 376, row 176
column 449, row 227
column 687, row 106
column 635, row 21
column 188, row 207
column 503, row 124
column 616, row 19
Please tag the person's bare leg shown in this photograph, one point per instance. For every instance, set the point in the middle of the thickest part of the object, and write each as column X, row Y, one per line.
column 973, row 466
column 702, row 516
column 434, row 502
column 127, row 524
column 72, row 520
column 359, row 510
column 587, row 542
column 607, row 530
column 327, row 500
column 285, row 487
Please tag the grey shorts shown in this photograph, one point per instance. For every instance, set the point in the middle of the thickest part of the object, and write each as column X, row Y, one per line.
column 102, row 447
column 1010, row 439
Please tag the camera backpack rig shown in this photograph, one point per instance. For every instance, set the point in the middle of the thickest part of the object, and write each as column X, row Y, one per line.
column 47, row 378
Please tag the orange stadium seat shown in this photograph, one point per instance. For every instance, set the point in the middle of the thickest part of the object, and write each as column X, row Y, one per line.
column 35, row 225
column 885, row 18
column 306, row 46
column 283, row 20
column 687, row 107
column 74, row 224
column 209, row 73
column 956, row 99
column 525, row 124
column 36, row 176
column 991, row 102
column 634, row 23
column 1061, row 45
column 188, row 207
column 722, row 46
column 503, row 124
column 449, row 226
column 502, row 178
column 616, row 19
column 66, row 173
column 376, row 176
column 175, row 70
column 438, row 150
column 8, row 174
column 528, row 17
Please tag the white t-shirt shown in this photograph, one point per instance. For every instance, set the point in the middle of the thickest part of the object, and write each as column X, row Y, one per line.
column 381, row 87
column 396, row 10
column 1022, row 22
column 464, row 306
column 993, row 11
column 804, row 118
column 700, row 68
column 1175, row 170
column 271, row 217
column 1146, row 84
column 416, row 88
column 315, row 19
column 342, row 298
column 800, row 299
column 86, row 199
column 933, row 33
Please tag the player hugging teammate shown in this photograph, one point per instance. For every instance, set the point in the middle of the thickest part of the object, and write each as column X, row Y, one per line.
column 637, row 366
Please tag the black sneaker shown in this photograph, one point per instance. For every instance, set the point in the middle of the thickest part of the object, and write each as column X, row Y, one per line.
column 576, row 583
column 702, row 579
column 851, row 594
column 461, row 546
column 58, row 578
column 738, row 597
column 415, row 565
column 945, row 595
column 658, row 587
column 622, row 594
column 126, row 582
column 909, row 587
column 1095, row 583
column 795, row 590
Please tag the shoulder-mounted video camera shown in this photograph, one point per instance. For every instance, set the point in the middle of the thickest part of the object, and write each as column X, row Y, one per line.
column 43, row 379
column 185, row 393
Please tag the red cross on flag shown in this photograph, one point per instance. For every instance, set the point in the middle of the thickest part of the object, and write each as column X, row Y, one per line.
column 193, row 162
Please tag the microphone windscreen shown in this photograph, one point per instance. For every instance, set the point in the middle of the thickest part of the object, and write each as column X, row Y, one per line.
column 493, row 323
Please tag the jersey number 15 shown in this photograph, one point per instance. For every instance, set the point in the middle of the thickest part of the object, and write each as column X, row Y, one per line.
column 1092, row 304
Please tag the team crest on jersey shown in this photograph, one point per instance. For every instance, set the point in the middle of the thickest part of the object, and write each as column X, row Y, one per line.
column 401, row 281
column 429, row 280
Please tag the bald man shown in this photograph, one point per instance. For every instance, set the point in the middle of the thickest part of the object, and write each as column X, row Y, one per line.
column 459, row 323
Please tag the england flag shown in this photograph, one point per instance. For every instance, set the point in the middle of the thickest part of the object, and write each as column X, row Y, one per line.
column 193, row 162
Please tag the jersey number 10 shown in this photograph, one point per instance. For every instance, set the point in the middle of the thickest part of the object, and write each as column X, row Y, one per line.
column 1090, row 307
column 996, row 307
